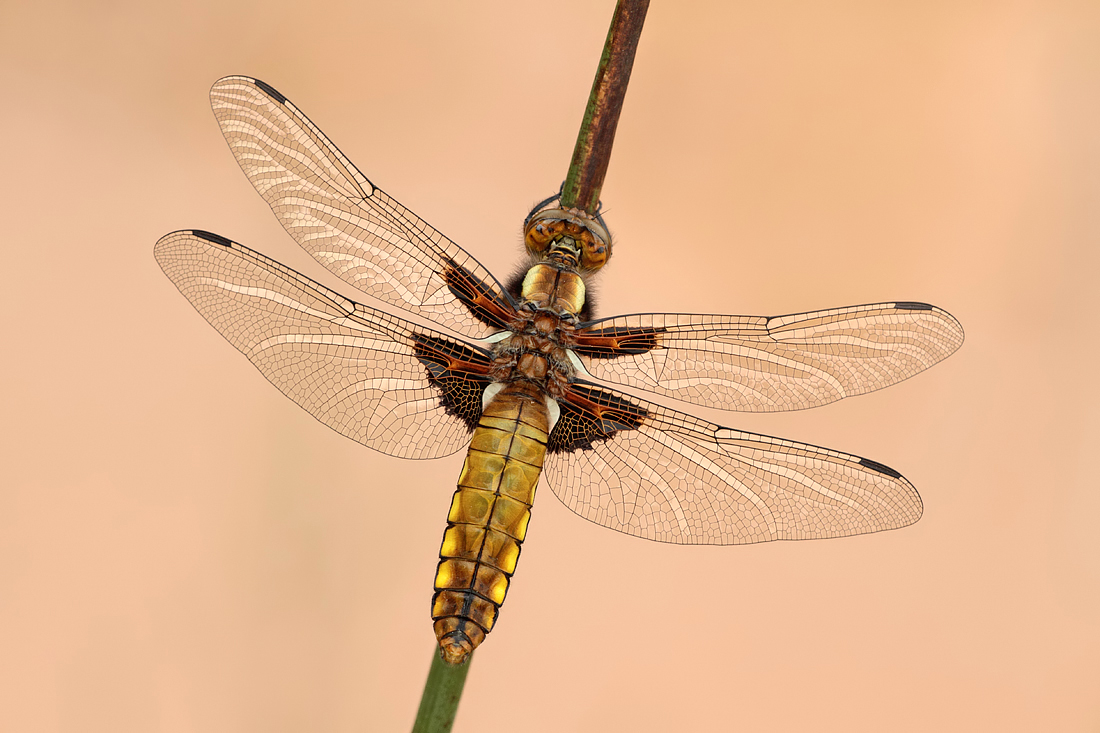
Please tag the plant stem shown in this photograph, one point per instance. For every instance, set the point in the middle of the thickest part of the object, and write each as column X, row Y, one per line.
column 593, row 150
column 442, row 692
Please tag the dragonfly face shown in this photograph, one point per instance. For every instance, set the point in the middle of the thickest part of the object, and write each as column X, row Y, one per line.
column 568, row 233
column 526, row 382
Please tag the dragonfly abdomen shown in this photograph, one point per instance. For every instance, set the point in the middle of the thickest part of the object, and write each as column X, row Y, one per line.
column 488, row 517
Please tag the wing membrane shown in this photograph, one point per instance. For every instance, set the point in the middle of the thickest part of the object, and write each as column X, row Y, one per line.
column 663, row 475
column 350, row 226
column 400, row 389
column 762, row 364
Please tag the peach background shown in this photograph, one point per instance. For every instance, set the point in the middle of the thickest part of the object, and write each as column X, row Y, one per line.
column 183, row 549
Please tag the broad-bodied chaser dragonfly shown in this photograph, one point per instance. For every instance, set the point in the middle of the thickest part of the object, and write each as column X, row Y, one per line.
column 519, row 374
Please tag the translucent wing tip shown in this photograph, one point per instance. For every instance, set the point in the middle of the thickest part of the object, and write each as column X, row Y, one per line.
column 235, row 79
column 165, row 248
column 950, row 322
column 255, row 114
column 917, row 509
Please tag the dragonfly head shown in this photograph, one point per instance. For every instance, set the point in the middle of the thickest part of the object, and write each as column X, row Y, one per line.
column 568, row 236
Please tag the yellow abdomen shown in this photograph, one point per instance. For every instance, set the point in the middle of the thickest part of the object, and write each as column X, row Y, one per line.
column 488, row 517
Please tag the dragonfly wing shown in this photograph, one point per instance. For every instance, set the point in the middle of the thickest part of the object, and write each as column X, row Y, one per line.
column 349, row 225
column 766, row 364
column 403, row 390
column 663, row 475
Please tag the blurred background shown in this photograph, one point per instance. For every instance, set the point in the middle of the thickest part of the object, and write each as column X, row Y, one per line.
column 184, row 549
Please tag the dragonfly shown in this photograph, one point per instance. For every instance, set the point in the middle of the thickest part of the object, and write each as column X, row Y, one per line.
column 525, row 378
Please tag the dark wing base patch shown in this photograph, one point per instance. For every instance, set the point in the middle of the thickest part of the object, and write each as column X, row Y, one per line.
column 589, row 415
column 460, row 373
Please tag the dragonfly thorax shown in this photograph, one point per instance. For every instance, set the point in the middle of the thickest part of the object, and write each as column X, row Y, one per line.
column 537, row 352
column 553, row 287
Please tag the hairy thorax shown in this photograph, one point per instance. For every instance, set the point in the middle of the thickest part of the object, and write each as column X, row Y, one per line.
column 536, row 349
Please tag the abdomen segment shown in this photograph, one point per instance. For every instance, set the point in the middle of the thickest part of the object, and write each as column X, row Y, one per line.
column 488, row 518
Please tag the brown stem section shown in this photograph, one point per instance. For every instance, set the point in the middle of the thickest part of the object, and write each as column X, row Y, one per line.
column 597, row 134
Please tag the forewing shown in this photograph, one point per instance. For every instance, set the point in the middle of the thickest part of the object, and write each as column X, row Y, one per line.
column 383, row 382
column 350, row 226
column 663, row 475
column 767, row 364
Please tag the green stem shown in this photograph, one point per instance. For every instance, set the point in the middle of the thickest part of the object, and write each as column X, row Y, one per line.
column 597, row 134
column 442, row 692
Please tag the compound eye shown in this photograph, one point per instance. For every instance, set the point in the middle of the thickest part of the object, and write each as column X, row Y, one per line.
column 549, row 225
column 595, row 254
column 540, row 233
